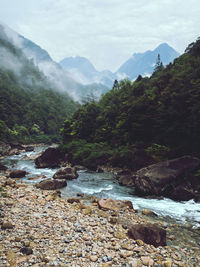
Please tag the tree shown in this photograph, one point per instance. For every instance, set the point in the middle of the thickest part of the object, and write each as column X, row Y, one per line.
column 159, row 64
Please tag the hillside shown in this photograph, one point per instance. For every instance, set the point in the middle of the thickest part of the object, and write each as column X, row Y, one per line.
column 141, row 122
column 30, row 110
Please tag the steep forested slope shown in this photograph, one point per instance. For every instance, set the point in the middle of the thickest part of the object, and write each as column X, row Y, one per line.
column 144, row 121
column 29, row 109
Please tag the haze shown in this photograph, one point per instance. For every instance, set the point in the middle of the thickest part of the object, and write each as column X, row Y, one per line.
column 107, row 32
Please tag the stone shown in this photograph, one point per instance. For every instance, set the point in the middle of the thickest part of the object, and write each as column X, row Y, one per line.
column 7, row 225
column 10, row 182
column 26, row 250
column 146, row 260
column 11, row 258
column 29, row 148
column 170, row 178
column 50, row 158
column 149, row 233
column 111, row 204
column 68, row 173
column 17, row 174
column 93, row 258
column 167, row 263
column 73, row 200
column 149, row 213
column 50, row 184
column 3, row 168
column 127, row 180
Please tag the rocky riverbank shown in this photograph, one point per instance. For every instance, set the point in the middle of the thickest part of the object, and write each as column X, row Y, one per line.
column 38, row 228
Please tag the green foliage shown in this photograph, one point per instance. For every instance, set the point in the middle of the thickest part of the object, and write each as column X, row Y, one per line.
column 161, row 112
column 30, row 111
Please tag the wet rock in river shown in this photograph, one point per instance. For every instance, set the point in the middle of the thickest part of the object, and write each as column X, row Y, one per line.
column 50, row 184
column 18, row 174
column 68, row 173
column 170, row 178
column 50, row 158
column 111, row 204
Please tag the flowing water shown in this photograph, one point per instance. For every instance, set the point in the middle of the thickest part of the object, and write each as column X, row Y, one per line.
column 103, row 185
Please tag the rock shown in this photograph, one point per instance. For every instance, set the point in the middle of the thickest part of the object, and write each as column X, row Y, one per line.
column 26, row 250
column 50, row 158
column 147, row 261
column 167, row 263
column 3, row 168
column 99, row 170
column 29, row 148
column 7, row 225
column 80, row 195
column 149, row 233
column 127, row 180
column 13, row 151
column 51, row 184
column 167, row 178
column 17, row 174
column 10, row 182
column 111, row 204
column 149, row 213
column 73, row 200
column 68, row 173
column 182, row 193
column 93, row 258
column 4, row 149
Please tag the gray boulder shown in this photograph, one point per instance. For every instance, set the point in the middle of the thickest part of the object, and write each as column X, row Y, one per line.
column 172, row 178
column 68, row 173
column 50, row 184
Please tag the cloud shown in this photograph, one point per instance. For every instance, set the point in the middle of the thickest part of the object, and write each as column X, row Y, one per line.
column 108, row 31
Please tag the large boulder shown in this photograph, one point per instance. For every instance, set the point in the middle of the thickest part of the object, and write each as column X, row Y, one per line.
column 18, row 174
column 148, row 233
column 50, row 184
column 170, row 178
column 68, row 173
column 111, row 204
column 50, row 158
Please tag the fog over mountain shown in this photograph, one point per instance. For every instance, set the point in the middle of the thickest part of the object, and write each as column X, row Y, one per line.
column 62, row 80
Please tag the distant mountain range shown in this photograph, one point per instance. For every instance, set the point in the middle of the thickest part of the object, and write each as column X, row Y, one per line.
column 77, row 75
column 83, row 70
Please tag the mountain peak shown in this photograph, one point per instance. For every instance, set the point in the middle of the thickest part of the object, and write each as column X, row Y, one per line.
column 143, row 63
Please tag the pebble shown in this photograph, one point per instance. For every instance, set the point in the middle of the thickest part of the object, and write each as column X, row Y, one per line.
column 39, row 229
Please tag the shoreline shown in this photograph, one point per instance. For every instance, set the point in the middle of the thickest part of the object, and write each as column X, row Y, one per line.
column 57, row 233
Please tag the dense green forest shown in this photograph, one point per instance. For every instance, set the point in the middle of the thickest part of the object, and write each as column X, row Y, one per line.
column 141, row 122
column 30, row 110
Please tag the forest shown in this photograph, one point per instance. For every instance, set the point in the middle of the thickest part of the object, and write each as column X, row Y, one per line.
column 141, row 122
column 30, row 109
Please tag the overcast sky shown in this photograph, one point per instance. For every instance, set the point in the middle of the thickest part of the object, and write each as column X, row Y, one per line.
column 107, row 32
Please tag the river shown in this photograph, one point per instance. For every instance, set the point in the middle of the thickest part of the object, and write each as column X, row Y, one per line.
column 103, row 185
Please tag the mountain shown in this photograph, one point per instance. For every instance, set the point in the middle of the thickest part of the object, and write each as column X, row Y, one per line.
column 63, row 80
column 142, row 122
column 144, row 63
column 31, row 110
column 83, row 71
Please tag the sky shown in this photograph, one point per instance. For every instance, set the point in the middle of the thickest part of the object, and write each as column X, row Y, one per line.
column 107, row 32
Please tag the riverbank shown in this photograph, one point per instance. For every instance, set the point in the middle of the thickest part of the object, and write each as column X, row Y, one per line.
column 42, row 229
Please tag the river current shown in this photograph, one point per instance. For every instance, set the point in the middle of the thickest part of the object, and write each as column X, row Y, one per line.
column 103, row 185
